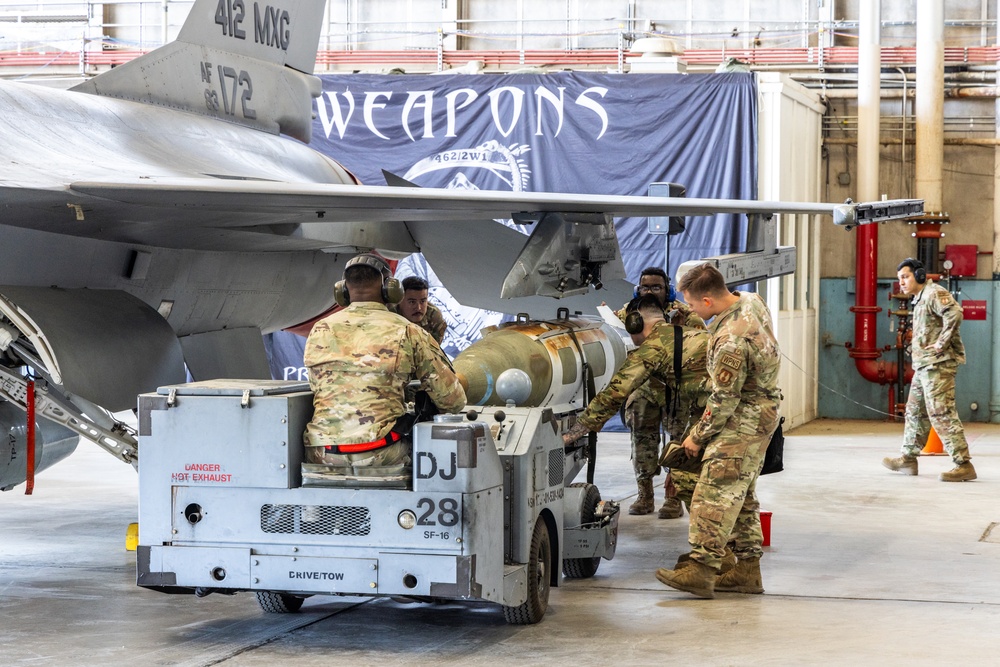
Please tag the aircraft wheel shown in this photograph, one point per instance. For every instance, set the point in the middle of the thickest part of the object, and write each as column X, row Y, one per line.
column 279, row 603
column 539, row 562
column 584, row 568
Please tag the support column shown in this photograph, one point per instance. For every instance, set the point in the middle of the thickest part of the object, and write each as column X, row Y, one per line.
column 450, row 16
column 930, row 104
column 995, row 313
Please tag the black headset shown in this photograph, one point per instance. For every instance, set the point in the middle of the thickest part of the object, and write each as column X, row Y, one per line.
column 671, row 292
column 919, row 272
column 392, row 289
column 634, row 323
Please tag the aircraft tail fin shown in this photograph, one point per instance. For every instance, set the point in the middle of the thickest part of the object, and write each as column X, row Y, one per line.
column 244, row 61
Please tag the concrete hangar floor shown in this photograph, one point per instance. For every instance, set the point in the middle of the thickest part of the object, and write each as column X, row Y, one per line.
column 864, row 566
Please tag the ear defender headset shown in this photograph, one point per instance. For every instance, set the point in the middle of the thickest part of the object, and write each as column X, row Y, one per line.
column 633, row 318
column 919, row 272
column 671, row 292
column 392, row 289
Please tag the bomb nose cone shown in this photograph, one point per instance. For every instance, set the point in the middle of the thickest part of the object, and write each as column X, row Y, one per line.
column 514, row 386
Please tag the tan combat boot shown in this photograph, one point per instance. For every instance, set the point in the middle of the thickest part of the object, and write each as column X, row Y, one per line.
column 672, row 508
column 744, row 578
column 963, row 472
column 904, row 464
column 694, row 577
column 644, row 503
column 728, row 561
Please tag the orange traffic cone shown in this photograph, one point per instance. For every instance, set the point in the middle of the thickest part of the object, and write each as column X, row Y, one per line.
column 934, row 446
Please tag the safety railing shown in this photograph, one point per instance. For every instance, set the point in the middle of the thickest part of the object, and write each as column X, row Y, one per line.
column 89, row 35
column 505, row 59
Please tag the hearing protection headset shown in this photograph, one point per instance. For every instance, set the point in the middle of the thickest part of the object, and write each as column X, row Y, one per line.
column 671, row 292
column 633, row 318
column 919, row 272
column 392, row 289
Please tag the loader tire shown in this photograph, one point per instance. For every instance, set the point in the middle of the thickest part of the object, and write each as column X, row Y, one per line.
column 279, row 603
column 539, row 565
column 584, row 568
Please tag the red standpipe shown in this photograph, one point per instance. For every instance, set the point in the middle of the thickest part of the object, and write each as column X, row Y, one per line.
column 864, row 351
column 30, row 437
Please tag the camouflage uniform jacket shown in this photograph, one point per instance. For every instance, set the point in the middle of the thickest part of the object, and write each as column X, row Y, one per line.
column 360, row 360
column 743, row 362
column 675, row 312
column 433, row 321
column 654, row 358
column 936, row 319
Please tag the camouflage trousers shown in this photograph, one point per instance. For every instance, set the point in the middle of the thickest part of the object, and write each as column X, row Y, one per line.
column 643, row 415
column 390, row 460
column 683, row 483
column 678, row 427
column 932, row 403
column 724, row 507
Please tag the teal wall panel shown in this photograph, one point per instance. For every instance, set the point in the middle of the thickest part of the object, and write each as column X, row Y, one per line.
column 843, row 393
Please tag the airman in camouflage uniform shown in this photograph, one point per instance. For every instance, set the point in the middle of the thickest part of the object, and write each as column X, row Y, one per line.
column 737, row 424
column 645, row 409
column 691, row 399
column 360, row 360
column 417, row 309
column 653, row 360
column 937, row 351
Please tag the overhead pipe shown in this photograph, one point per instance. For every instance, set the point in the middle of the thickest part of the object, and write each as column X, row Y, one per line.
column 979, row 76
column 895, row 141
column 897, row 93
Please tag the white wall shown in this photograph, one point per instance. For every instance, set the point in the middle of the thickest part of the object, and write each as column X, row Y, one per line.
column 789, row 159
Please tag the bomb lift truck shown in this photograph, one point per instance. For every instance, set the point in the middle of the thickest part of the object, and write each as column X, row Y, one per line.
column 489, row 510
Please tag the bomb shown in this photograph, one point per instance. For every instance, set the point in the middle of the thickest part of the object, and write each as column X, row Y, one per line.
column 538, row 363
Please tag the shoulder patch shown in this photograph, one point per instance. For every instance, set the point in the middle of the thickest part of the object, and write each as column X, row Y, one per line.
column 731, row 361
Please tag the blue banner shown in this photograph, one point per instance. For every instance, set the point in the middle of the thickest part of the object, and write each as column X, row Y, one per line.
column 561, row 132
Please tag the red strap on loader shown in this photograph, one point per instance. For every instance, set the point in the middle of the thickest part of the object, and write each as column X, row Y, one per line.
column 393, row 437
column 30, row 436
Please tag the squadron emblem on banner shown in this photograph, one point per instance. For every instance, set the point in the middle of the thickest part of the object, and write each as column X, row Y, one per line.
column 475, row 168
column 504, row 162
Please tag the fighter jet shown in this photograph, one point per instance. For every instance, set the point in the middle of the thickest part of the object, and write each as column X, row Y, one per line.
column 167, row 212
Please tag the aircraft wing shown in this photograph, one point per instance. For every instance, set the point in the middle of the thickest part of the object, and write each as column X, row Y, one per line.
column 572, row 248
column 243, row 203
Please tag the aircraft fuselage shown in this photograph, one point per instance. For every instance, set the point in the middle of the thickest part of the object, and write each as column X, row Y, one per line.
column 216, row 278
